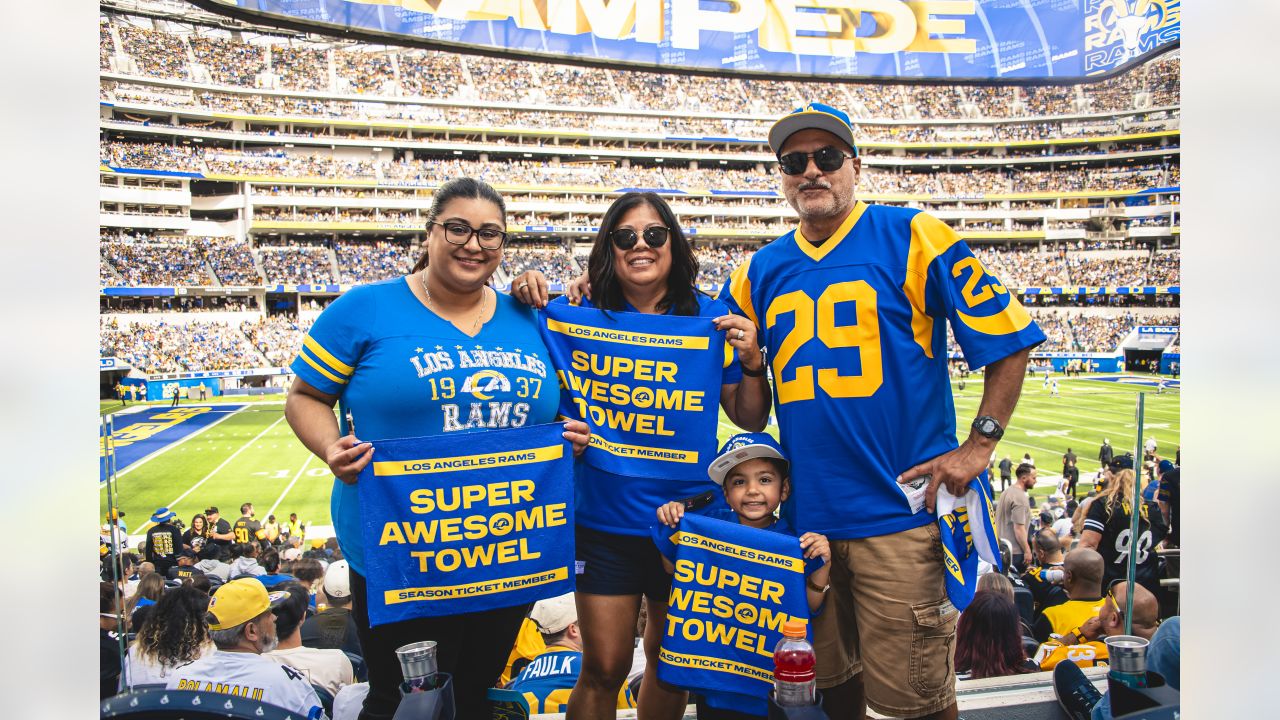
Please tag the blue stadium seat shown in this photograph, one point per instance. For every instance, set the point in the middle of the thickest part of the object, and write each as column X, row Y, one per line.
column 161, row 704
column 358, row 666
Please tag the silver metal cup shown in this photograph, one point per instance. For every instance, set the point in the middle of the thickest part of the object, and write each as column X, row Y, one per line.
column 1128, row 659
column 418, row 662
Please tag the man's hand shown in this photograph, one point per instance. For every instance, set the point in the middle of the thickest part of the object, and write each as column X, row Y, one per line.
column 1091, row 629
column 955, row 468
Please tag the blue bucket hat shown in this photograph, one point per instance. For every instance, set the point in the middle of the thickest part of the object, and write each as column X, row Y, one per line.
column 815, row 116
column 743, row 447
column 162, row 515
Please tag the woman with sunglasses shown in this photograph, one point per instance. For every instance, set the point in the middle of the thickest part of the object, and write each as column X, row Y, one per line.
column 397, row 356
column 641, row 262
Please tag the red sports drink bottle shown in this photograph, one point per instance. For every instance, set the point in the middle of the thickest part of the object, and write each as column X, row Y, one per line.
column 794, row 677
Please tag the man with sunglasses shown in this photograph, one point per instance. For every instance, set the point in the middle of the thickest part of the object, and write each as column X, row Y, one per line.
column 852, row 308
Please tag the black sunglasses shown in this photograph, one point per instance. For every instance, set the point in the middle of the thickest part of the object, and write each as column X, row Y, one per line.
column 625, row 238
column 828, row 159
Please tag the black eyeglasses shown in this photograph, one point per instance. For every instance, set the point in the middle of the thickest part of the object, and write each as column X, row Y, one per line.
column 457, row 233
column 625, row 238
column 827, row 158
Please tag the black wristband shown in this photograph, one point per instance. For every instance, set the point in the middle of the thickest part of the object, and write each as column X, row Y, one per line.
column 753, row 373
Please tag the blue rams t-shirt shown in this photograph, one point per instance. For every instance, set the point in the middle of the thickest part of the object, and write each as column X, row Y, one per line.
column 856, row 333
column 627, row 505
column 402, row 371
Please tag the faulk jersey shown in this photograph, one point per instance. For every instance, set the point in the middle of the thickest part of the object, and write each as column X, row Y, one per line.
column 856, row 334
column 548, row 679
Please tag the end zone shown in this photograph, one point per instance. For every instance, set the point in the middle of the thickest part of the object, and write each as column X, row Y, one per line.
column 149, row 431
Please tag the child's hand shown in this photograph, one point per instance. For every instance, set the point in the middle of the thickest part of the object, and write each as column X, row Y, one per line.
column 815, row 545
column 671, row 513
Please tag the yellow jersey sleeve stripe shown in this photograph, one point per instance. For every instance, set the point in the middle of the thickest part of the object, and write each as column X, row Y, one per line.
column 740, row 289
column 325, row 356
column 320, row 369
column 928, row 241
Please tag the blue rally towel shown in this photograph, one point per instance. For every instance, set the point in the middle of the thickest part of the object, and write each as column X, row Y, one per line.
column 467, row 522
column 968, row 533
column 648, row 385
column 733, row 589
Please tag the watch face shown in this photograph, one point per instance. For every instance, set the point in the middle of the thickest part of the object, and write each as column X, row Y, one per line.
column 986, row 426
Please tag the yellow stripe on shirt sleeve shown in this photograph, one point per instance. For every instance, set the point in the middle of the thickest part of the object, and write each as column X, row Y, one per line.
column 324, row 355
column 740, row 290
column 320, row 369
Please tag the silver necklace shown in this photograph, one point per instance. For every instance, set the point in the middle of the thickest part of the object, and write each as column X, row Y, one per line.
column 475, row 326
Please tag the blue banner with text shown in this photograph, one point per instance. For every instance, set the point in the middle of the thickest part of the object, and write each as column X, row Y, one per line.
column 648, row 385
column 734, row 587
column 463, row 523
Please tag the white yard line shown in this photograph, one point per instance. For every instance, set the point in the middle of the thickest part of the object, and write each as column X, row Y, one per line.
column 289, row 487
column 215, row 470
column 119, row 474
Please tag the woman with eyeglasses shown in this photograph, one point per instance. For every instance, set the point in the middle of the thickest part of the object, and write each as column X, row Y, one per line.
column 641, row 262
column 399, row 358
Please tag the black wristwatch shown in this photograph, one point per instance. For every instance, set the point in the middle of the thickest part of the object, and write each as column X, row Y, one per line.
column 988, row 427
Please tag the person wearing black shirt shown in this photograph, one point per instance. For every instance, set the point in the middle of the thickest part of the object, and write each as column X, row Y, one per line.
column 247, row 529
column 219, row 529
column 1070, row 472
column 1107, row 530
column 1105, row 453
column 334, row 627
column 1006, row 472
column 196, row 535
column 163, row 541
column 1043, row 578
column 185, row 569
column 108, row 641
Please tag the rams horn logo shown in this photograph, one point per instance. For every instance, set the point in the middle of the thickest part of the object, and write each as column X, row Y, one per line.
column 486, row 382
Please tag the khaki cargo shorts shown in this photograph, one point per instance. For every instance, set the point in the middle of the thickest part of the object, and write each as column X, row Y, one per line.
column 887, row 617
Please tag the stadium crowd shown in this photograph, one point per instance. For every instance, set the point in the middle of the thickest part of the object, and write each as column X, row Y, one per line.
column 160, row 347
column 371, row 70
column 215, row 161
column 365, row 262
column 277, row 337
column 297, row 264
column 549, row 258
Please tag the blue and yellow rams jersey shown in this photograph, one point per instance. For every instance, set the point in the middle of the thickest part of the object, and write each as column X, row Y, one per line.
column 548, row 679
column 856, row 334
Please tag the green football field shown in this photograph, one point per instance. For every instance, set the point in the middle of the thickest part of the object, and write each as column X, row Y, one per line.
column 253, row 456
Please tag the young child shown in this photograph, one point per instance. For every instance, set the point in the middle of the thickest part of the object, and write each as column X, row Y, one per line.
column 755, row 477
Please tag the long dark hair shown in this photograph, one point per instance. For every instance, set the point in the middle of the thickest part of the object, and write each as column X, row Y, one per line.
column 463, row 187
column 681, row 297
column 176, row 631
column 989, row 637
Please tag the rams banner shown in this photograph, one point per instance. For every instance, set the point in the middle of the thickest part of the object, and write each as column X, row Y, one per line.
column 734, row 587
column 957, row 39
column 648, row 385
column 467, row 522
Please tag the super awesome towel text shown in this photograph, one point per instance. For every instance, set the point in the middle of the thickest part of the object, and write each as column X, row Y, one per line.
column 648, row 385
column 463, row 523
